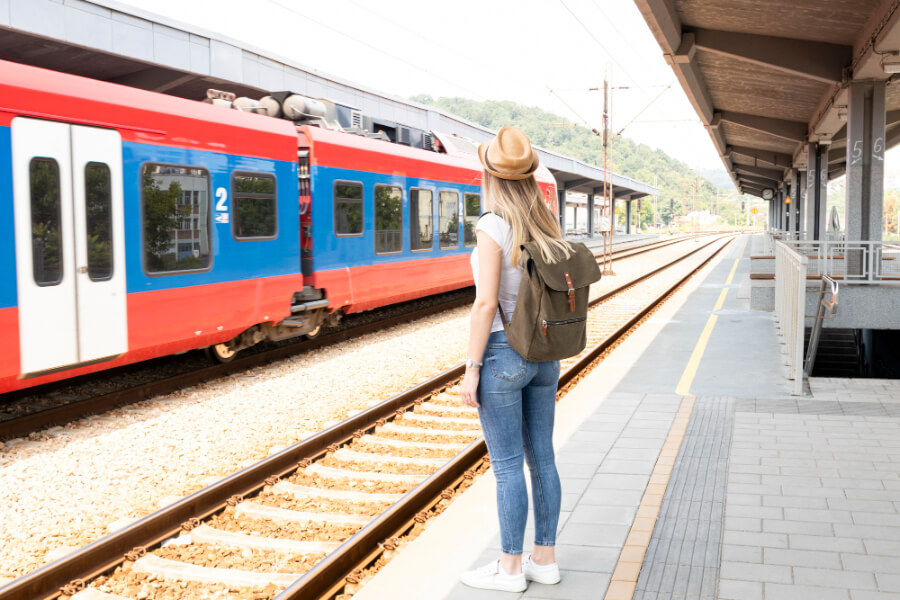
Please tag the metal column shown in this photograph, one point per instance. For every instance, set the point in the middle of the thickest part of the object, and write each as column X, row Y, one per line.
column 627, row 216
column 816, row 191
column 561, row 206
column 590, row 219
column 801, row 204
column 863, row 218
column 796, row 201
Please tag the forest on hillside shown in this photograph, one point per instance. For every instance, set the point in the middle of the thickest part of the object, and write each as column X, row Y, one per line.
column 675, row 180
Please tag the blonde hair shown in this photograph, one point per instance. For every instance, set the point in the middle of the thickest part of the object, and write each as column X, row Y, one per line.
column 521, row 204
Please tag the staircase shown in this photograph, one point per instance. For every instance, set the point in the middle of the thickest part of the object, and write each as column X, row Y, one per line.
column 838, row 353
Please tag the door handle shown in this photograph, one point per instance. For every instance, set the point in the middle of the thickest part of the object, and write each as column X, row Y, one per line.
column 82, row 269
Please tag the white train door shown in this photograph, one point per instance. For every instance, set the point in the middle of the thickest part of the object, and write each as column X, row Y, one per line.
column 70, row 254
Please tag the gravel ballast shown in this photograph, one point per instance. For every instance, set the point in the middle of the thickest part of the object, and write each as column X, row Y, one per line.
column 62, row 488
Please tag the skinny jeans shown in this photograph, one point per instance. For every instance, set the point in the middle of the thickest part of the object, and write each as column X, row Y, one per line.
column 517, row 404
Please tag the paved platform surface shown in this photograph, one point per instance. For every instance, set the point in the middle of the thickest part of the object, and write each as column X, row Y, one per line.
column 729, row 488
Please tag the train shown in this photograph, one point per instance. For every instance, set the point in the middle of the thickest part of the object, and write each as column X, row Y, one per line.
column 135, row 225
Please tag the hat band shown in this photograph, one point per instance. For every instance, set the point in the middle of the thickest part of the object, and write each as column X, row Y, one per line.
column 487, row 161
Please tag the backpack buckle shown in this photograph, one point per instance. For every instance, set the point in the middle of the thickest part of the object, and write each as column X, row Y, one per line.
column 571, row 292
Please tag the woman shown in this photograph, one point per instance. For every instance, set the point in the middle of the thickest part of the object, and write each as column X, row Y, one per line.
column 516, row 398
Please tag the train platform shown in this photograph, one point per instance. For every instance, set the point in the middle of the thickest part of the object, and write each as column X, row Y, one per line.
column 689, row 471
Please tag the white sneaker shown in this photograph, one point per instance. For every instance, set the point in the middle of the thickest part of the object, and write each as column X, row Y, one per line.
column 547, row 574
column 492, row 577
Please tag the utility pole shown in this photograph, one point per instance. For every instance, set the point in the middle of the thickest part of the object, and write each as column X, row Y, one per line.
column 607, row 184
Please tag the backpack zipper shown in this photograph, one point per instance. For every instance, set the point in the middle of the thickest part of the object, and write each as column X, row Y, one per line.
column 545, row 323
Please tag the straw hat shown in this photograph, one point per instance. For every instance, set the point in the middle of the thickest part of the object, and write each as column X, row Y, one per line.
column 509, row 155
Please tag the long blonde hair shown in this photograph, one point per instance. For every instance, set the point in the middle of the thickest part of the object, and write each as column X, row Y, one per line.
column 521, row 204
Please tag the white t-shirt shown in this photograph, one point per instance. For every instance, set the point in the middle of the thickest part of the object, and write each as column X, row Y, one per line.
column 510, row 276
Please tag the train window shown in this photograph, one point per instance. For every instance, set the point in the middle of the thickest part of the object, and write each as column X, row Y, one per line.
column 472, row 212
column 421, row 223
column 98, row 209
column 348, row 208
column 449, row 219
column 46, row 241
column 254, row 206
column 171, row 241
column 388, row 219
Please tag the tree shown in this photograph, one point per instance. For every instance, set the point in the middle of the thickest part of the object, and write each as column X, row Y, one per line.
column 161, row 219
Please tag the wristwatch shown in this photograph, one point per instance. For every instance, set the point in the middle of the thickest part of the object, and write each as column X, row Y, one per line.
column 471, row 363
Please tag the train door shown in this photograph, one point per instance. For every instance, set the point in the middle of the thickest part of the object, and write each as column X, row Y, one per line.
column 70, row 254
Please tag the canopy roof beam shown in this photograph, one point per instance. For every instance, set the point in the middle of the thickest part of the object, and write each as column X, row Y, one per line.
column 777, row 159
column 794, row 131
column 819, row 61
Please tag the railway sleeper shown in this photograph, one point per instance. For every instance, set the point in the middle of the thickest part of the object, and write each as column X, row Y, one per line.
column 354, row 456
column 175, row 570
column 255, row 510
column 204, row 534
column 384, row 441
column 287, row 488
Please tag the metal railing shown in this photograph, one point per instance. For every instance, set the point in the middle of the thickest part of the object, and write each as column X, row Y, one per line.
column 829, row 286
column 852, row 262
column 790, row 308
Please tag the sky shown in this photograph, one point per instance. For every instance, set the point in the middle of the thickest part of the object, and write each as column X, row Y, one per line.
column 515, row 50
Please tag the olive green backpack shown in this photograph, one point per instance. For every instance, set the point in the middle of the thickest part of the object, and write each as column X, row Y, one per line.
column 550, row 319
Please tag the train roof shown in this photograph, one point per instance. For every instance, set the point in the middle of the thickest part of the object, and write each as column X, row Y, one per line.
column 338, row 149
column 139, row 115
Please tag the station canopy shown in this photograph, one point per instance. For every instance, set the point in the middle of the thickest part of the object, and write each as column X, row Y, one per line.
column 768, row 76
column 106, row 40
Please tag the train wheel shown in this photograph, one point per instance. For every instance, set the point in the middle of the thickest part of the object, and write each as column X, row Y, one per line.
column 314, row 333
column 221, row 353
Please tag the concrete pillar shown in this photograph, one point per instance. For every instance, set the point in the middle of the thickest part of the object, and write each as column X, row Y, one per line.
column 771, row 222
column 796, row 199
column 590, row 219
column 561, row 206
column 800, row 180
column 816, row 191
column 865, row 161
column 627, row 216
column 782, row 209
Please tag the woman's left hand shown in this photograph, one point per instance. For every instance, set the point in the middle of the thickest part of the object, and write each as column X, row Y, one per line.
column 469, row 388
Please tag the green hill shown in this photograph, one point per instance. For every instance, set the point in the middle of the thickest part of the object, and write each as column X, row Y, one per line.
column 638, row 161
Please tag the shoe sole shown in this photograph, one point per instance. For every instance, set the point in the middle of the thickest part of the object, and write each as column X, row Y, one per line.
column 543, row 580
column 496, row 587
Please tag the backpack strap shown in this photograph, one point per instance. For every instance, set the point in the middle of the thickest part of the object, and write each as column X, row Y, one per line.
column 571, row 292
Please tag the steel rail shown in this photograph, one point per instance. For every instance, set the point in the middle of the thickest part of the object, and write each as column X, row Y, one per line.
column 327, row 577
column 66, row 413
column 107, row 552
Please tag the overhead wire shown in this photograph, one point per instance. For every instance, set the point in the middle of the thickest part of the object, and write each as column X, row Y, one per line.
column 602, row 46
column 373, row 47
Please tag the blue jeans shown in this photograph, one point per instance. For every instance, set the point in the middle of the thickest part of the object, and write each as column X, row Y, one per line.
column 518, row 400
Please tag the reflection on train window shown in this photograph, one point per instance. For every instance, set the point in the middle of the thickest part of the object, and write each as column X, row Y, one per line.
column 473, row 211
column 98, row 210
column 254, row 206
column 348, row 208
column 388, row 219
column 421, row 224
column 449, row 219
column 46, row 242
column 176, row 218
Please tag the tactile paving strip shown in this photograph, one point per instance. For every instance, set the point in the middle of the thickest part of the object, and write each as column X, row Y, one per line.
column 682, row 560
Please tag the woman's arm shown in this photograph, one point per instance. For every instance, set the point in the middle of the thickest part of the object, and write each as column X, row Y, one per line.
column 490, row 257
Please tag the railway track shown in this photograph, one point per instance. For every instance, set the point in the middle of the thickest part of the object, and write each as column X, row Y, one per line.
column 318, row 517
column 66, row 412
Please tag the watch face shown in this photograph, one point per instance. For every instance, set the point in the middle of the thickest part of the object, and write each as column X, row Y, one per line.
column 768, row 193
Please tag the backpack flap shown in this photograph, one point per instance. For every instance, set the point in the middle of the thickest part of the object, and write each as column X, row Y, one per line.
column 578, row 271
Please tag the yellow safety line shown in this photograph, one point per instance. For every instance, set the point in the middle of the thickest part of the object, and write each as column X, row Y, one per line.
column 625, row 576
